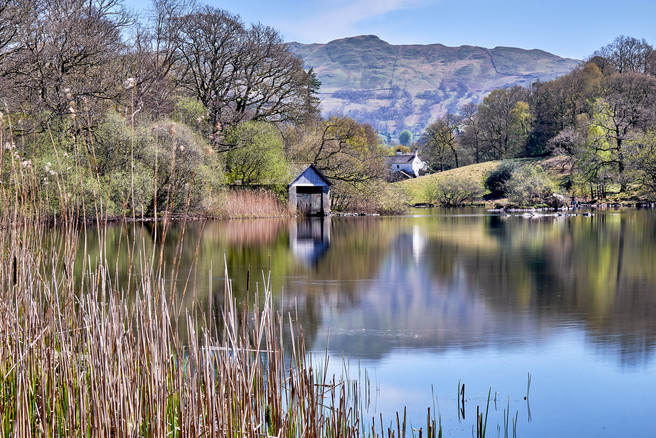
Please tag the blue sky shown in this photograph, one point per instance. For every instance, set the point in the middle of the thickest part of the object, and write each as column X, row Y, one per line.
column 570, row 28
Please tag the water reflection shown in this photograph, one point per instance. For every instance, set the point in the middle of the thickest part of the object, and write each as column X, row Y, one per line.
column 309, row 238
column 436, row 282
column 440, row 297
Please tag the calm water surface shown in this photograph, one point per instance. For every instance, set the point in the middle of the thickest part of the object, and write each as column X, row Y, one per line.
column 429, row 300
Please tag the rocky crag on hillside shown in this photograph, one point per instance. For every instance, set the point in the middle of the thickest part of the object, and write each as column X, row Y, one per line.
column 394, row 87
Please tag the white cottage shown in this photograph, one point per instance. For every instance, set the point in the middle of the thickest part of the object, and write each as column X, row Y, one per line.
column 403, row 166
column 309, row 193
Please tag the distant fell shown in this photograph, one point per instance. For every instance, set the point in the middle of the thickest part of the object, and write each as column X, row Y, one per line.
column 394, row 87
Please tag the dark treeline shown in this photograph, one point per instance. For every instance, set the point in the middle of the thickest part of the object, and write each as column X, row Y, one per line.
column 600, row 117
column 111, row 114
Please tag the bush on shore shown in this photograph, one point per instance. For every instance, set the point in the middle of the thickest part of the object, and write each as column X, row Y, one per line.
column 453, row 192
column 531, row 186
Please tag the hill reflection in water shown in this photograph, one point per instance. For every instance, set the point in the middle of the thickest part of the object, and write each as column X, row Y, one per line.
column 446, row 296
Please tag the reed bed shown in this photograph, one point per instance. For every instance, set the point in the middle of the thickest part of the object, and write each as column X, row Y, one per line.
column 84, row 359
column 251, row 203
column 81, row 355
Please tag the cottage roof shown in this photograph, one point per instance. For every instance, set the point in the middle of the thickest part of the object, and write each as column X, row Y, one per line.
column 311, row 176
column 400, row 159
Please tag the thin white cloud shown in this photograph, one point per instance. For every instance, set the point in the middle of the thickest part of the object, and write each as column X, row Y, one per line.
column 337, row 19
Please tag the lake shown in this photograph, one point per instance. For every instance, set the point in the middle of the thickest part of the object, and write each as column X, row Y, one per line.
column 430, row 300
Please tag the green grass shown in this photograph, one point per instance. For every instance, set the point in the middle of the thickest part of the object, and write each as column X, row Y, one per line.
column 416, row 187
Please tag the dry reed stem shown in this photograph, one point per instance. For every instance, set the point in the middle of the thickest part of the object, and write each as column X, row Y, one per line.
column 80, row 356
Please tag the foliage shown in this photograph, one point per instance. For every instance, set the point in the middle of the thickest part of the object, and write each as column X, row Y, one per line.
column 405, row 138
column 374, row 196
column 504, row 119
column 191, row 112
column 496, row 181
column 340, row 148
column 644, row 161
column 403, row 149
column 625, row 109
column 453, row 192
column 256, row 155
column 187, row 170
column 531, row 186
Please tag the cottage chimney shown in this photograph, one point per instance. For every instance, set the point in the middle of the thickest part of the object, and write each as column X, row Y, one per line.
column 416, row 152
column 398, row 152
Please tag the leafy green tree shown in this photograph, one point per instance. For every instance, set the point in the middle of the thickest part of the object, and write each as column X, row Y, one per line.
column 256, row 155
column 644, row 161
column 187, row 171
column 405, row 137
column 625, row 110
column 191, row 112
column 504, row 118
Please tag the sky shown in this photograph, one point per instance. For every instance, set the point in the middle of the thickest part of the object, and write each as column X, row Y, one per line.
column 568, row 28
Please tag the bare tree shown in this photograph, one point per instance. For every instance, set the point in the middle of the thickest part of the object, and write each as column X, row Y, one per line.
column 440, row 141
column 65, row 50
column 153, row 55
column 237, row 73
column 11, row 12
column 341, row 148
column 627, row 54
column 471, row 138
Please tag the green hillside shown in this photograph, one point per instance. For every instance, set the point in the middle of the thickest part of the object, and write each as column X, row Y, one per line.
column 416, row 187
column 393, row 87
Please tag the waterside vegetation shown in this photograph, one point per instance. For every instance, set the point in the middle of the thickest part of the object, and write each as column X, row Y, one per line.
column 599, row 121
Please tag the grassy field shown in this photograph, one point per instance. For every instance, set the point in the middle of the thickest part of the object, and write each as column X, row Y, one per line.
column 416, row 187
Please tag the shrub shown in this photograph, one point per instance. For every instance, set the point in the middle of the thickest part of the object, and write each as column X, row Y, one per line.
column 373, row 196
column 187, row 167
column 453, row 191
column 497, row 179
column 531, row 186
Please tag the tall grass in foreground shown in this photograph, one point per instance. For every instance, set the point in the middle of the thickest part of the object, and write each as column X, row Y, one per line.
column 79, row 356
column 82, row 359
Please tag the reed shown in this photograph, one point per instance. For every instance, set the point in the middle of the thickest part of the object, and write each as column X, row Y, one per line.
column 250, row 204
column 528, row 386
column 79, row 358
column 81, row 355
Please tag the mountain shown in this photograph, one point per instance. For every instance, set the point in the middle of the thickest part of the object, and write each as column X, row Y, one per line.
column 394, row 87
